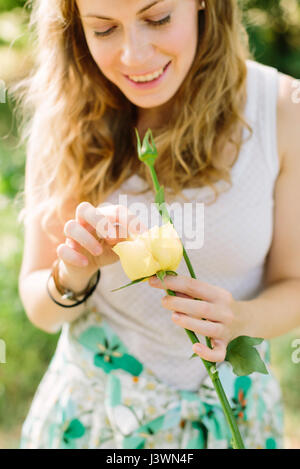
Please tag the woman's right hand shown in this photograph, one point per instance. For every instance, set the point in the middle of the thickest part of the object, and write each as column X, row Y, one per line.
column 93, row 229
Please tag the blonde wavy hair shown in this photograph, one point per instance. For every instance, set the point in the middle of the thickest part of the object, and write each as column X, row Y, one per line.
column 79, row 127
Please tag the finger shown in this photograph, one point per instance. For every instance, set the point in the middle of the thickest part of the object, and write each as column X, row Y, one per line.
column 183, row 295
column 111, row 222
column 73, row 244
column 86, row 225
column 216, row 354
column 76, row 247
column 124, row 224
column 91, row 216
column 203, row 327
column 191, row 287
column 194, row 308
column 70, row 256
column 124, row 217
column 75, row 231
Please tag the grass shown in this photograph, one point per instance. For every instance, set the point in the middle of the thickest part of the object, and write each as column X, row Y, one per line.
column 288, row 374
column 28, row 350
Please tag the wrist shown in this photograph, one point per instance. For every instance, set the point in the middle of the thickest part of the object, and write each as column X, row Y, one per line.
column 72, row 281
column 243, row 319
column 68, row 292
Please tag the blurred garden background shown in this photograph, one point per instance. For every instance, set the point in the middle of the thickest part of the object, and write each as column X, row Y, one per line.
column 274, row 31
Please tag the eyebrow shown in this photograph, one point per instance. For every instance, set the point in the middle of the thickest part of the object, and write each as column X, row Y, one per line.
column 92, row 15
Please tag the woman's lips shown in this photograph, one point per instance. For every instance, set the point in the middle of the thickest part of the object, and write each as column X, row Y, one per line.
column 144, row 85
column 146, row 73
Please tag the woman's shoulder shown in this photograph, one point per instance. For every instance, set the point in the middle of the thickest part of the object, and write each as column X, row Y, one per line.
column 288, row 117
column 288, row 108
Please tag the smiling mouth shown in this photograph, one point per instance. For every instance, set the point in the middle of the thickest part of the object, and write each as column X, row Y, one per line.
column 145, row 74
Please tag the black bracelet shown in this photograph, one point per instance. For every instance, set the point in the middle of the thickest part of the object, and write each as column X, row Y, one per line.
column 78, row 302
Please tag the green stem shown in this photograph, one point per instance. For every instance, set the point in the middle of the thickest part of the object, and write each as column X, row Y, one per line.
column 236, row 436
column 214, row 375
column 193, row 336
column 193, row 275
column 210, row 366
column 154, row 178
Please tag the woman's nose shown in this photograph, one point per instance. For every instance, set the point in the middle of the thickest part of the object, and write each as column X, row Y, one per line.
column 136, row 50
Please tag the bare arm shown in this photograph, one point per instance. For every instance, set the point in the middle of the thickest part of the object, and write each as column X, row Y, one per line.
column 277, row 309
column 39, row 254
column 273, row 313
column 39, row 307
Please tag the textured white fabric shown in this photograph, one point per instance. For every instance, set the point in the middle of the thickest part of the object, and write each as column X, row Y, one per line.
column 238, row 232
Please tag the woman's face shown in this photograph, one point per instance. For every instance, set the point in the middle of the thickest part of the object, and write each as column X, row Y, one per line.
column 145, row 47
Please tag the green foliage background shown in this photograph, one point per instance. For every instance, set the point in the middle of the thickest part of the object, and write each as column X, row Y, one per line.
column 274, row 32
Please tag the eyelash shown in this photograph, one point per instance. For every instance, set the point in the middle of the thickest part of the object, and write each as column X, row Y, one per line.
column 161, row 22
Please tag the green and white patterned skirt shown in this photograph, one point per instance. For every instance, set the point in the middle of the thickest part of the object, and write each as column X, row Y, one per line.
column 95, row 395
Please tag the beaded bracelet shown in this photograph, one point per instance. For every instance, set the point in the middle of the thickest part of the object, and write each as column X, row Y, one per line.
column 69, row 294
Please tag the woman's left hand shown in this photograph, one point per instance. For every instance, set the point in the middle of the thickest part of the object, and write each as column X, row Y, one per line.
column 222, row 321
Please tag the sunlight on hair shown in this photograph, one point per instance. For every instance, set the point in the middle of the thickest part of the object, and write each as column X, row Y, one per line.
column 88, row 155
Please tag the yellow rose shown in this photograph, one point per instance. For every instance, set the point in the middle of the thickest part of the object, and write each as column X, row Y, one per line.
column 157, row 249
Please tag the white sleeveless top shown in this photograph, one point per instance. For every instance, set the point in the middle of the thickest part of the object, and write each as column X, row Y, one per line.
column 238, row 230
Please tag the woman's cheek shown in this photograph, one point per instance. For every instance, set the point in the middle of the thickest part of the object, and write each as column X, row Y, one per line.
column 176, row 42
column 102, row 57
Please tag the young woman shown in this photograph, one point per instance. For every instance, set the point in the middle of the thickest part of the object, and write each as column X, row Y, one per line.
column 226, row 129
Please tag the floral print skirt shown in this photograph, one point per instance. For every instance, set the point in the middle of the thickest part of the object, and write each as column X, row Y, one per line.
column 95, row 395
